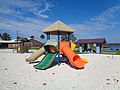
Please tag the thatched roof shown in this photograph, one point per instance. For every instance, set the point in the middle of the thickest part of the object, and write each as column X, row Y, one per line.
column 58, row 26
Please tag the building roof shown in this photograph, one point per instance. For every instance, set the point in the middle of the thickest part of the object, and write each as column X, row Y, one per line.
column 14, row 40
column 58, row 26
column 33, row 40
column 22, row 39
column 98, row 40
column 19, row 40
column 8, row 41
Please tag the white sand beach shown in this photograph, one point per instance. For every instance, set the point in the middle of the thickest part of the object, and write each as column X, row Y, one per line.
column 101, row 73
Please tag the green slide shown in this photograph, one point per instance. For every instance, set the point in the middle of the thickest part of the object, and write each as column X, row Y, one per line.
column 46, row 61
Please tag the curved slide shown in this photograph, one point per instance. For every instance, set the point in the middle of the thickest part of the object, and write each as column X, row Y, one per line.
column 74, row 59
column 36, row 55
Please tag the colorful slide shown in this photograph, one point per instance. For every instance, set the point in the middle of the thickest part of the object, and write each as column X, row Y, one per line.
column 36, row 55
column 51, row 47
column 46, row 61
column 74, row 59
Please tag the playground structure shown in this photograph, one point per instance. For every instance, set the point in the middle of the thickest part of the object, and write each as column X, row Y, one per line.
column 55, row 48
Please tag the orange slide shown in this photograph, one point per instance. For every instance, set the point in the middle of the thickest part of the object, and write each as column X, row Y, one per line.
column 74, row 59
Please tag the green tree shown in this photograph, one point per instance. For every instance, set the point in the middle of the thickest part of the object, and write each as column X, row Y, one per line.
column 42, row 36
column 32, row 37
column 17, row 37
column 0, row 35
column 73, row 38
column 5, row 36
column 65, row 38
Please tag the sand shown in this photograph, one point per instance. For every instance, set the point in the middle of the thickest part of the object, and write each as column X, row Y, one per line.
column 101, row 73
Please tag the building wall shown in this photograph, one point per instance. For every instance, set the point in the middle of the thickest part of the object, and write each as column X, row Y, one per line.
column 13, row 45
column 31, row 43
column 90, row 46
column 3, row 45
column 36, row 43
column 28, row 44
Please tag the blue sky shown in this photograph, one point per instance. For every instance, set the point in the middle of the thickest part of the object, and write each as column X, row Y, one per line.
column 89, row 18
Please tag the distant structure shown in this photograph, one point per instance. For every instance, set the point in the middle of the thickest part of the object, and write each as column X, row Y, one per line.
column 35, row 44
column 5, row 43
column 91, row 45
column 22, row 48
column 22, row 44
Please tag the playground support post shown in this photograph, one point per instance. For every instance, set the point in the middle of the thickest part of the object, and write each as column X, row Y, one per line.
column 112, row 52
column 48, row 36
column 17, row 40
column 58, row 48
column 68, row 36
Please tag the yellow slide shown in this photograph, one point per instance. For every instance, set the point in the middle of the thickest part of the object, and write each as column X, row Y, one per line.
column 86, row 61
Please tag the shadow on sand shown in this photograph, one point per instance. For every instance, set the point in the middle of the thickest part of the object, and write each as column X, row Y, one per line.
column 55, row 62
column 32, row 62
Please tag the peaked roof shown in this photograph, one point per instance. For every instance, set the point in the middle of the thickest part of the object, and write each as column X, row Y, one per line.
column 98, row 40
column 58, row 26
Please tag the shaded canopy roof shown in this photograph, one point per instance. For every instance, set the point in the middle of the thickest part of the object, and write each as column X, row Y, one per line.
column 98, row 40
column 58, row 26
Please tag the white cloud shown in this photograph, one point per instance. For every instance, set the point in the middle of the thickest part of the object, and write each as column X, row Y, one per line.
column 22, row 7
column 28, row 27
column 103, row 22
column 20, row 15
column 39, row 12
column 5, row 11
column 106, row 16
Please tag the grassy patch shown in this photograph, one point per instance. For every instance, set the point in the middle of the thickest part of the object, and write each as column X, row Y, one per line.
column 78, row 52
column 104, row 51
column 118, row 52
column 110, row 51
column 34, row 48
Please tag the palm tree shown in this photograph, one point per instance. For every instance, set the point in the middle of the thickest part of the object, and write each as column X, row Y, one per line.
column 5, row 36
column 65, row 38
column 0, row 35
column 32, row 37
column 42, row 36
column 73, row 38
